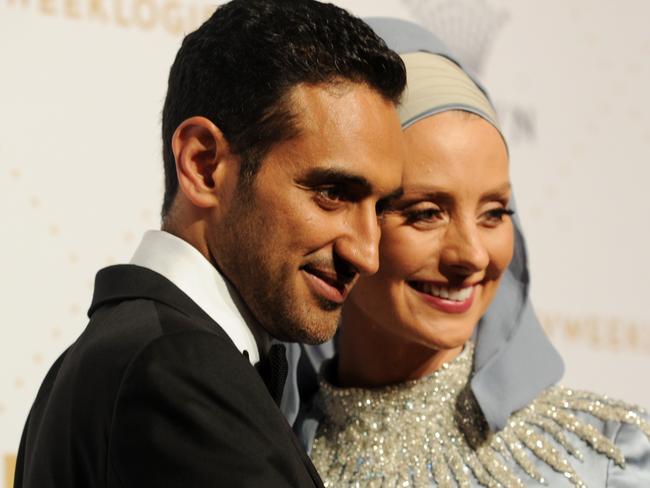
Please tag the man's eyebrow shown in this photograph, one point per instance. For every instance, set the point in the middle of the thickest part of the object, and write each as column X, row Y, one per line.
column 335, row 176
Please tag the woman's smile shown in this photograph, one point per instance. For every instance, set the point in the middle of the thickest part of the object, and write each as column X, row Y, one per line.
column 444, row 297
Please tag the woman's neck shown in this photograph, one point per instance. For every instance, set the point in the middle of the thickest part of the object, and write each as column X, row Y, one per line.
column 370, row 356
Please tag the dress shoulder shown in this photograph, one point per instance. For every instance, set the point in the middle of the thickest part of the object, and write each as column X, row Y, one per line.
column 578, row 435
column 635, row 447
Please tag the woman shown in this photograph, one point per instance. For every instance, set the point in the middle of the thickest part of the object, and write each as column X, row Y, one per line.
column 409, row 401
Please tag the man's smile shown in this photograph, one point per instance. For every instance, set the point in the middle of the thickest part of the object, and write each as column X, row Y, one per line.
column 327, row 283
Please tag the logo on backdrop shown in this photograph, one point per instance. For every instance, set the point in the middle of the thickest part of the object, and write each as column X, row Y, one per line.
column 611, row 334
column 173, row 16
column 469, row 28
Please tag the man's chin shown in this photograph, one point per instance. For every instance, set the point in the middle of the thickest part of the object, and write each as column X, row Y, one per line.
column 319, row 327
column 328, row 306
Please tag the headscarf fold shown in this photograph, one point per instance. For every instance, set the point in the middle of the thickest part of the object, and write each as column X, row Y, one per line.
column 513, row 360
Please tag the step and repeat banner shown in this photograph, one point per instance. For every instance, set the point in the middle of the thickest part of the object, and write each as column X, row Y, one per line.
column 81, row 90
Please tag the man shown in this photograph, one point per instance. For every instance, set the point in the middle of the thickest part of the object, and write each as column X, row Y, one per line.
column 280, row 142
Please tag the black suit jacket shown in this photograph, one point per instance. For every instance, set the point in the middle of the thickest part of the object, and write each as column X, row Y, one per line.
column 155, row 394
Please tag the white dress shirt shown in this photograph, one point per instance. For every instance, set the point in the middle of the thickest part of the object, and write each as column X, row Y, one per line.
column 189, row 270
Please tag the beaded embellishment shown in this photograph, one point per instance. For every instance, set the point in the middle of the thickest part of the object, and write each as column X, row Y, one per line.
column 431, row 431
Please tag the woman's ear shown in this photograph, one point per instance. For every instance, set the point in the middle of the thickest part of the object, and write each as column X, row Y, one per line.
column 202, row 154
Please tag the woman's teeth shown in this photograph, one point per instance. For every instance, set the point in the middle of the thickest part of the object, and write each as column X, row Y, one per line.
column 454, row 294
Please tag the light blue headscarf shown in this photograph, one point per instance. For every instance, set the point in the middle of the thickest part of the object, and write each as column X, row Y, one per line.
column 514, row 360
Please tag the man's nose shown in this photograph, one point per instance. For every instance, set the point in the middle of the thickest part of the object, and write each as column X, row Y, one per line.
column 463, row 250
column 359, row 245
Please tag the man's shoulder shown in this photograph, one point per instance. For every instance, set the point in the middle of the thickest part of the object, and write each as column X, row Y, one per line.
column 127, row 343
column 138, row 318
column 132, row 308
column 119, row 332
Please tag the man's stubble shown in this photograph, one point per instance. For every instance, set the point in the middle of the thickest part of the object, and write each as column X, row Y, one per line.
column 252, row 258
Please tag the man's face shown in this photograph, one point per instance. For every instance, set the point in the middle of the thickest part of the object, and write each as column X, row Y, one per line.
column 294, row 241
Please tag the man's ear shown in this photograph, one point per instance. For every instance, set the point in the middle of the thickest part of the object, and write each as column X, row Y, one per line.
column 203, row 158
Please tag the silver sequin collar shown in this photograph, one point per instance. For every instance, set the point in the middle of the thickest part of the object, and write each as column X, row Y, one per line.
column 431, row 431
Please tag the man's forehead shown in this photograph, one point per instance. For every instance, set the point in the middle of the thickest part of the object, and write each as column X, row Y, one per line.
column 347, row 133
column 337, row 103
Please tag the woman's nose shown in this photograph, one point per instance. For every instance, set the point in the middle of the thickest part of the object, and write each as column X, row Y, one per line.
column 463, row 250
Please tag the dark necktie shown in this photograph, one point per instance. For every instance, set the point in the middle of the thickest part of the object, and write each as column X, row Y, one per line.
column 273, row 369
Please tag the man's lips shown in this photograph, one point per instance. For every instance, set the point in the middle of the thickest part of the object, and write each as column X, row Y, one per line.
column 326, row 284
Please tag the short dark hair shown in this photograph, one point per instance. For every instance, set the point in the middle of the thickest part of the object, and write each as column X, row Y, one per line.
column 239, row 67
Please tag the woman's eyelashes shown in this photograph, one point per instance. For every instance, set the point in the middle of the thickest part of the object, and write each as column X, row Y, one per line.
column 421, row 214
column 495, row 216
column 429, row 214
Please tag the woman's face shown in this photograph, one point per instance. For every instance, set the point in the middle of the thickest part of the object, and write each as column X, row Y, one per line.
column 448, row 240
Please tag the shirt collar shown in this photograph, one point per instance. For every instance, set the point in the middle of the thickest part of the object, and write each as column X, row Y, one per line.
column 192, row 273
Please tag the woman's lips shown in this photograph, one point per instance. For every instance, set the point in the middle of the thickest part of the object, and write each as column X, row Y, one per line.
column 325, row 286
column 444, row 298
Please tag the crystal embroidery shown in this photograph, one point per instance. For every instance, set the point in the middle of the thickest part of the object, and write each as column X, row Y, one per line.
column 432, row 430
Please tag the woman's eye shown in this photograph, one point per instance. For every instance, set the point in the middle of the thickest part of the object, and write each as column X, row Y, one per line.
column 496, row 215
column 424, row 215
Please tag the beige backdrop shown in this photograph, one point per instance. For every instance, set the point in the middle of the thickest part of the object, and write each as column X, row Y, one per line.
column 81, row 91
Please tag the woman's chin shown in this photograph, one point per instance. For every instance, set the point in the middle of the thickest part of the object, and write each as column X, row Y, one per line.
column 440, row 331
column 449, row 342
column 440, row 335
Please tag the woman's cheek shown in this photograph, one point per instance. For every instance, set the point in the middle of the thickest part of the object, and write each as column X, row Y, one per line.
column 502, row 248
column 402, row 252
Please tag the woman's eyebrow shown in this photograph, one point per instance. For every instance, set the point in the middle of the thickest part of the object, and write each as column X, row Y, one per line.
column 444, row 197
column 419, row 195
column 499, row 193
